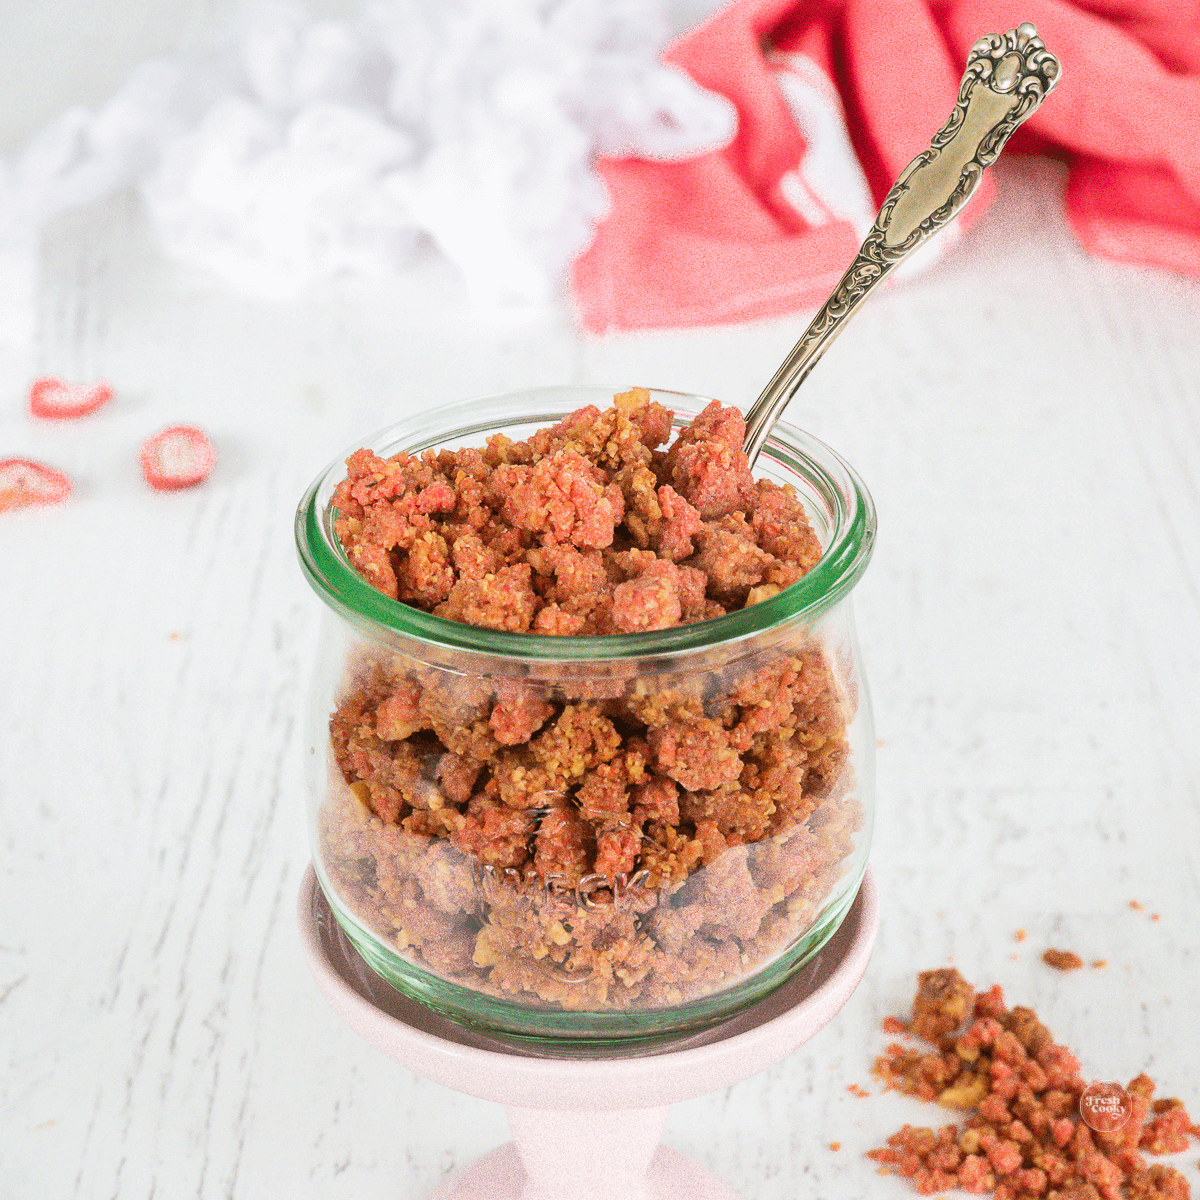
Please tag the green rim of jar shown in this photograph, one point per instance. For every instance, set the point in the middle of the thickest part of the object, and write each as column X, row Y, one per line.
column 850, row 516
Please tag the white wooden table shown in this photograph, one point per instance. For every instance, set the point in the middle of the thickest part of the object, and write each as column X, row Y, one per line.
column 1029, row 422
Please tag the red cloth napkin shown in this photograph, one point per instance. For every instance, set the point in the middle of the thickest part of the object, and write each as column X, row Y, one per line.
column 745, row 231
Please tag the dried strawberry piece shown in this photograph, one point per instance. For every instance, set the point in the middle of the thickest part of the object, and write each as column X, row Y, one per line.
column 56, row 400
column 177, row 457
column 24, row 483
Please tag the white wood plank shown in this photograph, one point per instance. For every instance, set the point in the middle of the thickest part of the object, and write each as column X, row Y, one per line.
column 1027, row 420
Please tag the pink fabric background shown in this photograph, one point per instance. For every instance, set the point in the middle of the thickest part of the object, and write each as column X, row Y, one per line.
column 710, row 240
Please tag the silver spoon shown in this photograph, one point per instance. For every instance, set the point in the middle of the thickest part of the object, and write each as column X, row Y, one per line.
column 1007, row 77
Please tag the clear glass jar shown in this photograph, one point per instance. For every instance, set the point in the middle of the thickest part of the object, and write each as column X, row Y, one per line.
column 519, row 943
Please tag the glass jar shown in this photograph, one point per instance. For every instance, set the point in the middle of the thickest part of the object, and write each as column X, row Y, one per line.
column 511, row 919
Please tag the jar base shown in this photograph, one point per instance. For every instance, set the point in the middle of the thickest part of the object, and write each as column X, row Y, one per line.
column 584, row 1129
column 583, row 1034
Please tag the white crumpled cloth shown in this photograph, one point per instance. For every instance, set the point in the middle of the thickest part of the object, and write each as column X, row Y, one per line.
column 306, row 149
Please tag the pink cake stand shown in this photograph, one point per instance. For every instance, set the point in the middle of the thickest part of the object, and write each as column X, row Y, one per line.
column 585, row 1128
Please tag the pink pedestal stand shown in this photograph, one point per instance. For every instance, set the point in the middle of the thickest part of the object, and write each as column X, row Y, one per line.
column 585, row 1129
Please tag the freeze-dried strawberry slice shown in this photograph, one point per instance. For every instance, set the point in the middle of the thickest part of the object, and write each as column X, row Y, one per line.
column 177, row 457
column 57, row 400
column 23, row 483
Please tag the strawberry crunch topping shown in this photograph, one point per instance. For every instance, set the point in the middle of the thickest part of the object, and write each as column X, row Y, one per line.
column 588, row 527
column 1062, row 960
column 1026, row 1138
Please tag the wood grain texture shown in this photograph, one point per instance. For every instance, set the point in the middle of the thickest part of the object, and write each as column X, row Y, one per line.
column 1029, row 422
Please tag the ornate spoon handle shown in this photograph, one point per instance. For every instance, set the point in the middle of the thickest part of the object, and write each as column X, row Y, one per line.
column 1007, row 77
